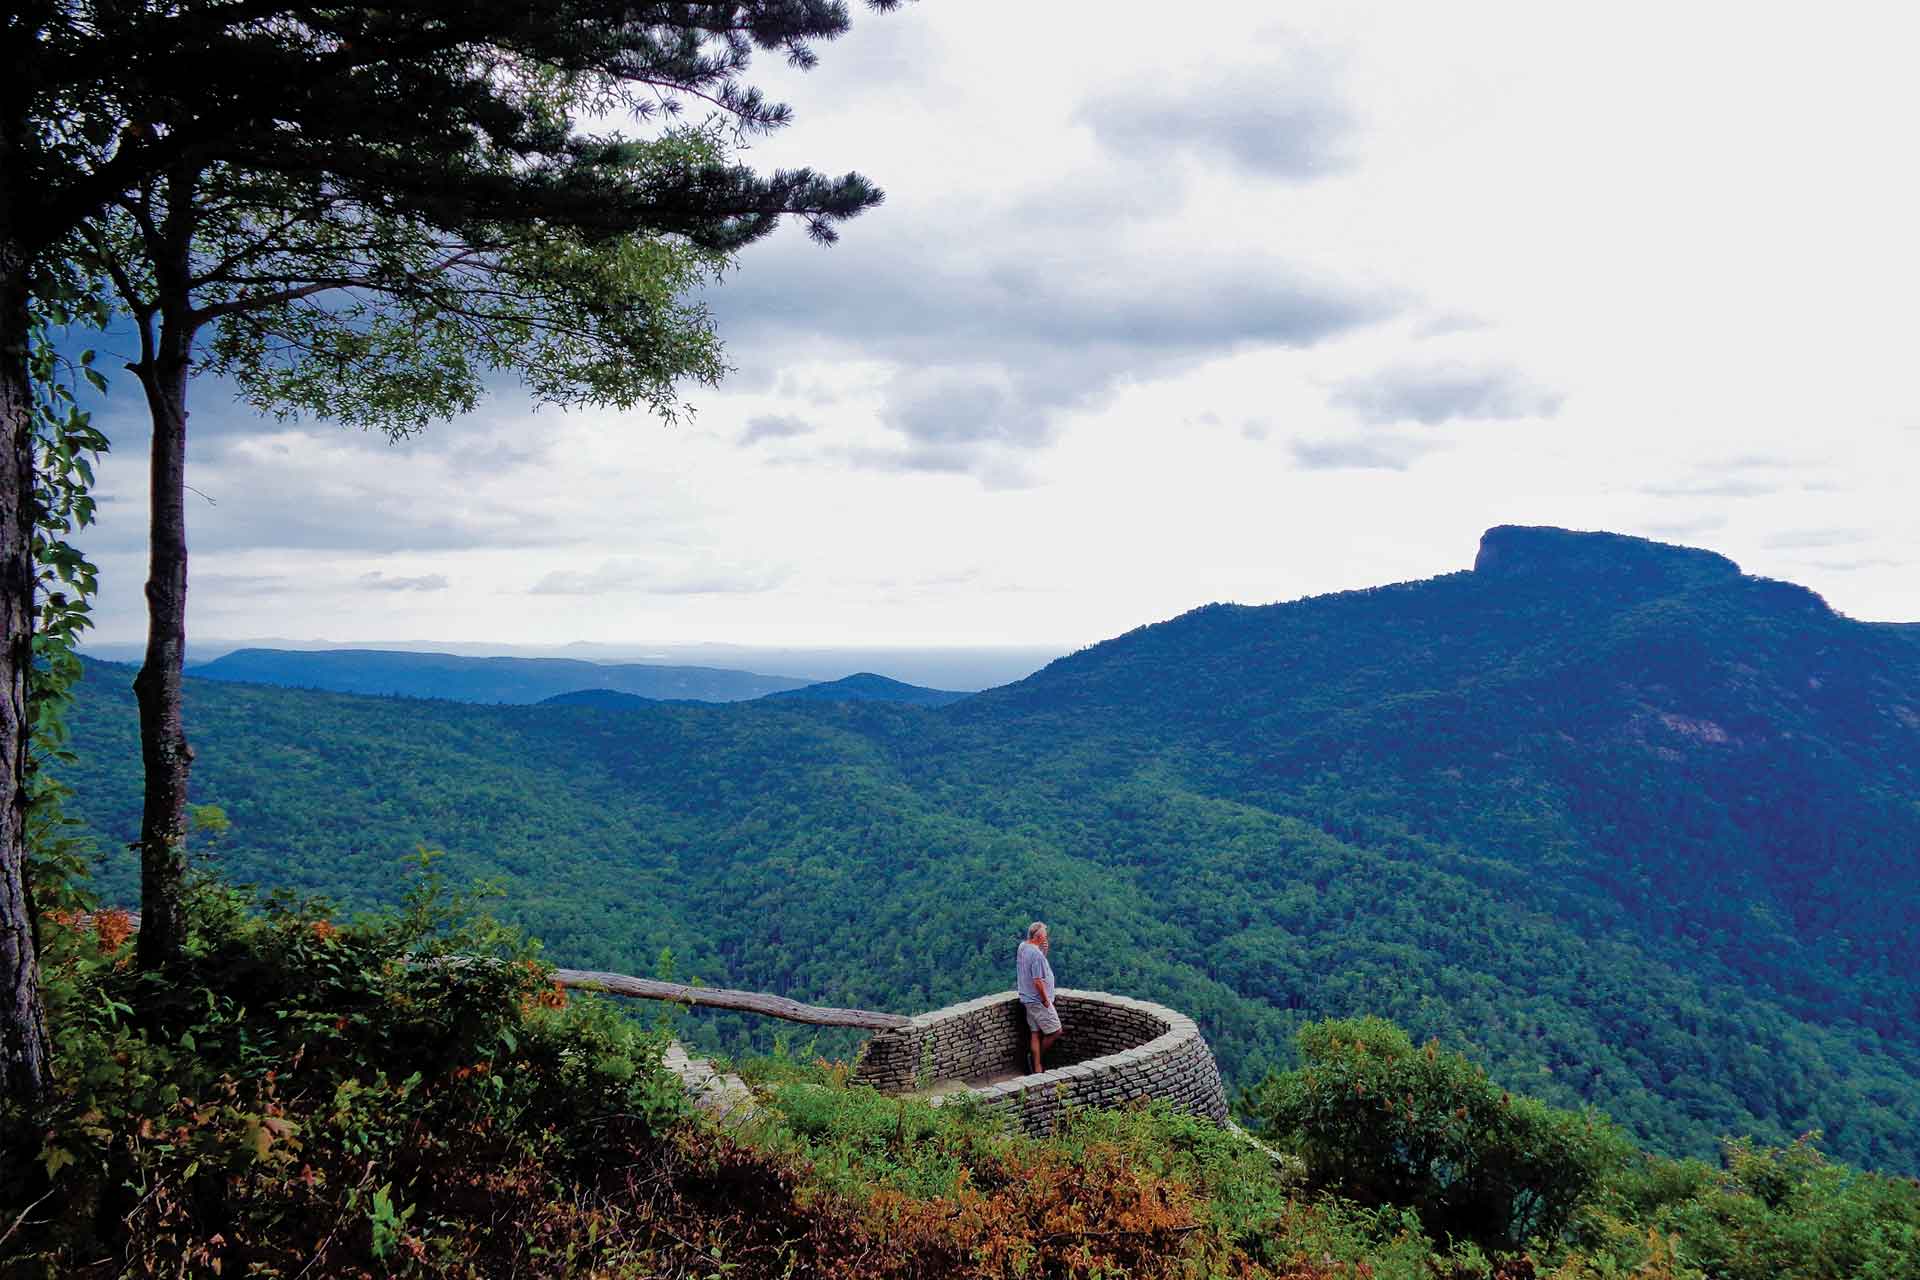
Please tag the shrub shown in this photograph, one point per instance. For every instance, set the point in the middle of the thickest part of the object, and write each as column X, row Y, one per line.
column 368, row 1089
column 1384, row 1123
column 1787, row 1213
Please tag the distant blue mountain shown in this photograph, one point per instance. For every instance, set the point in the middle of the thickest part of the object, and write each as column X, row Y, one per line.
column 454, row 678
column 868, row 687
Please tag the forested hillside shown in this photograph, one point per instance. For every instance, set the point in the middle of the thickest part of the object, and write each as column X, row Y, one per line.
column 1620, row 822
column 865, row 686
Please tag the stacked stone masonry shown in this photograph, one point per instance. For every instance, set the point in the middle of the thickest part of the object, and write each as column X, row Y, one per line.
column 1113, row 1050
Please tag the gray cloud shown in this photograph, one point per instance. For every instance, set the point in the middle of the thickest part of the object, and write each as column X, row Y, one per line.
column 993, row 469
column 1813, row 539
column 815, row 393
column 1434, row 394
column 466, row 457
column 774, row 426
column 949, row 407
column 378, row 581
column 931, row 459
column 1864, row 562
column 1715, row 487
column 1090, row 198
column 1288, row 120
column 993, row 344
column 285, row 516
column 637, row 576
column 900, row 299
column 296, row 491
column 1374, row 454
column 251, row 584
column 217, row 417
column 213, row 416
column 278, row 511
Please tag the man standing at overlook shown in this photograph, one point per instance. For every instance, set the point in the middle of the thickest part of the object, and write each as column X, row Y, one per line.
column 1033, row 978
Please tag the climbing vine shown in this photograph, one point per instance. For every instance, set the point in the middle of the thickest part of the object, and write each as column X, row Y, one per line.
column 66, row 446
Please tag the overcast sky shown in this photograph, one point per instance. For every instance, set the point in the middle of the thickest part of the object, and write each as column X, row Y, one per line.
column 1299, row 298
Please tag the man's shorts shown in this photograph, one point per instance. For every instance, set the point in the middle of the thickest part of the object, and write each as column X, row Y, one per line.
column 1041, row 1018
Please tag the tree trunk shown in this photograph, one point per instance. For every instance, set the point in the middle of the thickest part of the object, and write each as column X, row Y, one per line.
column 163, row 737
column 24, row 1064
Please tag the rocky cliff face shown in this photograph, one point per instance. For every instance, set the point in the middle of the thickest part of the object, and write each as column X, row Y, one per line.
column 1515, row 551
column 1620, row 562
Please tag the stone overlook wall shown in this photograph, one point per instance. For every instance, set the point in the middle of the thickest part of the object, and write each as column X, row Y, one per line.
column 1114, row 1050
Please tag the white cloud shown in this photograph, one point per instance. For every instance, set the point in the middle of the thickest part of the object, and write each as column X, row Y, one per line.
column 1088, row 345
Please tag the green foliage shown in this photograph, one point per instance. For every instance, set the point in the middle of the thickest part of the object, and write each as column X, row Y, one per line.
column 390, row 323
column 861, row 1139
column 303, row 1079
column 1454, row 804
column 1142, row 1192
column 66, row 445
column 408, row 1096
column 1790, row 1214
column 1384, row 1123
column 761, row 841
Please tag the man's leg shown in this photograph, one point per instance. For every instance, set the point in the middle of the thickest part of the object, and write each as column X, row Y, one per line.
column 1040, row 1045
column 1039, row 1039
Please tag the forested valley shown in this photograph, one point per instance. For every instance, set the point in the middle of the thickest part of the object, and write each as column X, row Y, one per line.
column 1627, row 826
column 1551, row 919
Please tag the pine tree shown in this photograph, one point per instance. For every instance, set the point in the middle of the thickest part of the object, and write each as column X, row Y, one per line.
column 438, row 111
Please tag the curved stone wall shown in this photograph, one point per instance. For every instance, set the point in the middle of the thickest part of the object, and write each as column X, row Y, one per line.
column 1113, row 1050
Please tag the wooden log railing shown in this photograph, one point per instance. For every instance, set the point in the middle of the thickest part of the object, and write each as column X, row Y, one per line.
column 621, row 984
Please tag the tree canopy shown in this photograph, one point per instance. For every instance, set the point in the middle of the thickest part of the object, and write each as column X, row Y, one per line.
column 1445, row 802
column 461, row 118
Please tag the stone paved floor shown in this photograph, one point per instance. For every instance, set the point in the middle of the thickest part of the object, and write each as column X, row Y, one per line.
column 941, row 1088
column 724, row 1097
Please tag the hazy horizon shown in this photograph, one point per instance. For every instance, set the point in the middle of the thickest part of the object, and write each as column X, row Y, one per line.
column 961, row 668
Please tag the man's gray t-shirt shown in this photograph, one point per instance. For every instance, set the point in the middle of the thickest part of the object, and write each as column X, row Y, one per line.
column 1031, row 964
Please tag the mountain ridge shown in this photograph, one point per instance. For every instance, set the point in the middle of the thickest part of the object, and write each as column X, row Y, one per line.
column 866, row 686
column 1649, row 843
column 459, row 678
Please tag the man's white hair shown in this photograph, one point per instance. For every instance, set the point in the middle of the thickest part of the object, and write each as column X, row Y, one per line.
column 1037, row 928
